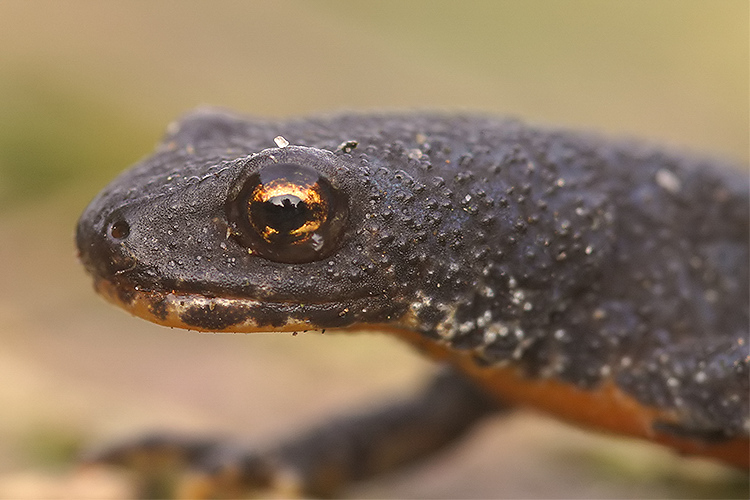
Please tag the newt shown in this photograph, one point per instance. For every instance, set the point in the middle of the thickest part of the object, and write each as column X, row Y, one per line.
column 602, row 281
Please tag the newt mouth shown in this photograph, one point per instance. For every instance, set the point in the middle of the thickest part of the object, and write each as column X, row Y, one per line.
column 195, row 311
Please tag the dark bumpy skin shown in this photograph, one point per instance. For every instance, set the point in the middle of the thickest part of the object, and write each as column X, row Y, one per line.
column 551, row 260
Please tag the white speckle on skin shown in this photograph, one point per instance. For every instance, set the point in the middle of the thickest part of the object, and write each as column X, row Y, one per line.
column 518, row 296
column 414, row 154
column 495, row 330
column 668, row 181
column 484, row 319
column 466, row 327
column 489, row 336
column 347, row 146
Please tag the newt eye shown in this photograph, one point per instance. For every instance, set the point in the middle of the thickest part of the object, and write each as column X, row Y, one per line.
column 289, row 213
column 119, row 230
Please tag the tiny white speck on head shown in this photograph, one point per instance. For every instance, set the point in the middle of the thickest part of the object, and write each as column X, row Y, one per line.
column 668, row 180
column 347, row 146
column 280, row 141
column 415, row 154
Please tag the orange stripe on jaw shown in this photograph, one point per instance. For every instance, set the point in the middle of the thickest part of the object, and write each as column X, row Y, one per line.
column 145, row 305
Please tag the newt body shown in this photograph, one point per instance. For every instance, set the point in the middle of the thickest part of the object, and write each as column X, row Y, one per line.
column 604, row 282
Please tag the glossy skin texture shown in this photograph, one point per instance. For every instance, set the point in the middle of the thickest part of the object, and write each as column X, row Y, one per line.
column 542, row 263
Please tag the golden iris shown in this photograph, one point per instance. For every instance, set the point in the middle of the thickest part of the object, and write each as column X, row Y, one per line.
column 288, row 212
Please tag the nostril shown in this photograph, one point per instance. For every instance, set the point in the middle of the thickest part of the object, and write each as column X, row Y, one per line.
column 119, row 230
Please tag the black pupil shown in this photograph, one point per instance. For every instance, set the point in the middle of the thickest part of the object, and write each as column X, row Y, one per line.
column 283, row 213
column 119, row 230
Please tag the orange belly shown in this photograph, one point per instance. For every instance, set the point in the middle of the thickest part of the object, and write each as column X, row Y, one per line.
column 604, row 408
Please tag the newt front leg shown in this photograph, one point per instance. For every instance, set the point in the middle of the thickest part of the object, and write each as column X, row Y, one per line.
column 316, row 463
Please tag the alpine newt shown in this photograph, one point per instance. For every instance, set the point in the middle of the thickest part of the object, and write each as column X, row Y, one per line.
column 602, row 281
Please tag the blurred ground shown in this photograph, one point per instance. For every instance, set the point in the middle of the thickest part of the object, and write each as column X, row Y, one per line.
column 86, row 88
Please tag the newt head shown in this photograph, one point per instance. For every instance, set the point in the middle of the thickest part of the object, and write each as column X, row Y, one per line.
column 216, row 233
column 238, row 244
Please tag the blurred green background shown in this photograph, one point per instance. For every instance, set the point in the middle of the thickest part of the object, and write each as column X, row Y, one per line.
column 86, row 89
